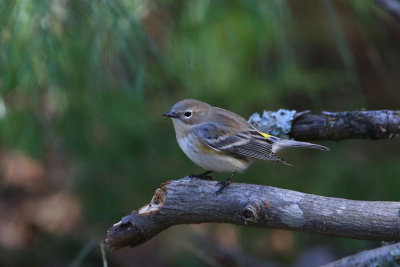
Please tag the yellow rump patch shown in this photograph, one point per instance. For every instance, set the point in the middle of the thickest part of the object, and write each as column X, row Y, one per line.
column 265, row 135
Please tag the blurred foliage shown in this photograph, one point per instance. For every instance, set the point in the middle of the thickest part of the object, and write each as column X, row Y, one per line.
column 83, row 84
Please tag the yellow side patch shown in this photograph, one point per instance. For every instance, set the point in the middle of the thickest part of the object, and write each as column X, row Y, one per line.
column 265, row 135
column 205, row 149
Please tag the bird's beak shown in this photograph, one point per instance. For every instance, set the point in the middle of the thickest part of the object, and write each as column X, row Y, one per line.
column 170, row 115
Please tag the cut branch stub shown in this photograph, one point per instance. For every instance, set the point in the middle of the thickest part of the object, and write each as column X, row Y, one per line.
column 187, row 201
column 135, row 228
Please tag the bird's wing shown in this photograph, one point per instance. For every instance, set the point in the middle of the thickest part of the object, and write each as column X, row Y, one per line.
column 250, row 143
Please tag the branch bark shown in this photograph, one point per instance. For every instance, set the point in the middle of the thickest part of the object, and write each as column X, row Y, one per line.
column 188, row 201
column 376, row 124
column 384, row 256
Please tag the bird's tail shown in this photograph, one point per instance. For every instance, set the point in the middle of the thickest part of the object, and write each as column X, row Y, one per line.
column 284, row 143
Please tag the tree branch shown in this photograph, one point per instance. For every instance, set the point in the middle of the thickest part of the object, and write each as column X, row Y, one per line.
column 188, row 201
column 384, row 256
column 374, row 124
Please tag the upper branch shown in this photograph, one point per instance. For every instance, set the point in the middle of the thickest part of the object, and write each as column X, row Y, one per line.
column 187, row 201
column 376, row 124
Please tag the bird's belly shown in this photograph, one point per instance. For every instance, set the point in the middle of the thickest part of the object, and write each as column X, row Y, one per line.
column 210, row 159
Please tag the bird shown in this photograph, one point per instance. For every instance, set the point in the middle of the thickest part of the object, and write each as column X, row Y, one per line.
column 219, row 140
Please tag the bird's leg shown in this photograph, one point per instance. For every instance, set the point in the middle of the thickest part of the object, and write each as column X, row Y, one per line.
column 202, row 176
column 225, row 183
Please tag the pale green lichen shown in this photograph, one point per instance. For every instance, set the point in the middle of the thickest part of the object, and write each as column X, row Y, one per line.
column 278, row 123
column 395, row 253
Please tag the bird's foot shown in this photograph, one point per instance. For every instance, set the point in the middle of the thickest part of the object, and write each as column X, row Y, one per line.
column 224, row 184
column 202, row 176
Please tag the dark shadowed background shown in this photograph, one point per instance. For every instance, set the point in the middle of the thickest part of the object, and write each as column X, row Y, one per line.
column 82, row 142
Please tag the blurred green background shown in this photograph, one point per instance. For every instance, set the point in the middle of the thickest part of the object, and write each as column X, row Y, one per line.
column 82, row 142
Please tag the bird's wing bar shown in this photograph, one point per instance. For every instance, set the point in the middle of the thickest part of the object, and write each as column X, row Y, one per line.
column 249, row 143
column 213, row 136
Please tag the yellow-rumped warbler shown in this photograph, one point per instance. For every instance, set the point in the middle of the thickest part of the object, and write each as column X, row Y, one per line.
column 221, row 141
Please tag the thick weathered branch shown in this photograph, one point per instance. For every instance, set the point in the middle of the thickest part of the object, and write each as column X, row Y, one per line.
column 378, row 124
column 384, row 256
column 188, row 201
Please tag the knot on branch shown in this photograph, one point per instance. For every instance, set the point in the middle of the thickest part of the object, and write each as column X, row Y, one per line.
column 252, row 212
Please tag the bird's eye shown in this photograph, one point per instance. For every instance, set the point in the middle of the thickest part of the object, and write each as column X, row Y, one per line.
column 187, row 114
